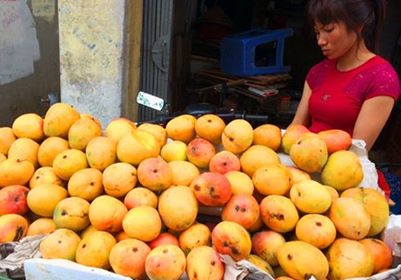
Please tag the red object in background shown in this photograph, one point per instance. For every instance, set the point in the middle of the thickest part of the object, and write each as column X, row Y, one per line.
column 383, row 184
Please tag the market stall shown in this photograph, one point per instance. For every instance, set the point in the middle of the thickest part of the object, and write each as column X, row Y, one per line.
column 127, row 199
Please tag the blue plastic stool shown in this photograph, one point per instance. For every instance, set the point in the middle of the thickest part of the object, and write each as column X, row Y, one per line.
column 237, row 52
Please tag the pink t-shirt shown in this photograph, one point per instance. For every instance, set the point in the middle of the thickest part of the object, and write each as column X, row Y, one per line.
column 337, row 96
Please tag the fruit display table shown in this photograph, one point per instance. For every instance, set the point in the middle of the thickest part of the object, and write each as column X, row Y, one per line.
column 126, row 202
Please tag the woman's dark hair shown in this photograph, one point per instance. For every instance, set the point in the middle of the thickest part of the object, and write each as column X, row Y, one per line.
column 368, row 14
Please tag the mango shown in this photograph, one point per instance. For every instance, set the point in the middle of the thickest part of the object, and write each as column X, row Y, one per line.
column 211, row 189
column 348, row 259
column 68, row 162
column 300, row 260
column 118, row 128
column 45, row 175
column 268, row 135
column 137, row 146
column 181, row 128
column 81, row 132
column 195, row 236
column 24, row 149
column 101, row 152
column 86, row 183
column 13, row 200
column 29, row 125
column 165, row 262
column 350, row 218
column 43, row 199
column 210, row 127
column 237, row 136
column 94, row 249
column 183, row 178
column 310, row 197
column 242, row 209
column 50, row 148
column 342, row 171
column 336, row 140
column 375, row 204
column 128, row 258
column 119, row 178
column 232, row 239
column 309, row 153
column 178, row 207
column 15, row 172
column 13, row 227
column 272, row 179
column 143, row 223
column 203, row 263
column 72, row 213
column 41, row 226
column 279, row 213
column 200, row 152
column 7, row 137
column 164, row 238
column 266, row 243
column 58, row 120
column 291, row 135
column 140, row 196
column 60, row 244
column 257, row 156
column 155, row 174
column 317, row 230
column 156, row 130
column 107, row 213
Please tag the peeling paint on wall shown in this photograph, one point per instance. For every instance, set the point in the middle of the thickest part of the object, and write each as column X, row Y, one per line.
column 91, row 50
column 19, row 46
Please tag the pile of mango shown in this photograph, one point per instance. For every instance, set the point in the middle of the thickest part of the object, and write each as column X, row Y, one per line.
column 128, row 197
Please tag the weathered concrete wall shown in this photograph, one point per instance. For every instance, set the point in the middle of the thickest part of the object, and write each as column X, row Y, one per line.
column 91, row 56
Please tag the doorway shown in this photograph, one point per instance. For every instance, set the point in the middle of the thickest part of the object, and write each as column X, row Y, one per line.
column 29, row 58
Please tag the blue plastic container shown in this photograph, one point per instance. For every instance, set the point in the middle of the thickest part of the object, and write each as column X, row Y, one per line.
column 238, row 51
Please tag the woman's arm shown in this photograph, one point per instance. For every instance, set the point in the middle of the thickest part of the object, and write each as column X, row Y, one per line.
column 302, row 114
column 372, row 118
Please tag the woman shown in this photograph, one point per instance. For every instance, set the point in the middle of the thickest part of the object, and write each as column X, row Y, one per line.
column 353, row 89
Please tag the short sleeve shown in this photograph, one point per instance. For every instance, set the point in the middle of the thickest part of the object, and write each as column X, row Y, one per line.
column 317, row 73
column 385, row 82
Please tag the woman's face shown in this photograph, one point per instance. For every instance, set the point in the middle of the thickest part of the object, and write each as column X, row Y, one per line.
column 335, row 39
